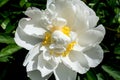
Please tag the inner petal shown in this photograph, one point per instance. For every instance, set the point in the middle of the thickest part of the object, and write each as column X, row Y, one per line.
column 57, row 48
column 59, row 37
column 59, row 22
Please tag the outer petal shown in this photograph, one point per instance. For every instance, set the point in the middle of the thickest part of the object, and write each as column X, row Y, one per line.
column 31, row 27
column 94, row 55
column 32, row 56
column 32, row 64
column 85, row 16
column 35, row 63
column 92, row 36
column 91, row 17
column 76, row 61
column 46, row 66
column 24, row 40
column 64, row 73
column 36, row 75
column 93, row 20
column 80, row 23
column 33, row 12
column 39, row 18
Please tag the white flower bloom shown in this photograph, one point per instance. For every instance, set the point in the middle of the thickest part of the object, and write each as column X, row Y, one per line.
column 63, row 39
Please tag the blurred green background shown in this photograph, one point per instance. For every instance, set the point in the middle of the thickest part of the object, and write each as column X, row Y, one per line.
column 12, row 56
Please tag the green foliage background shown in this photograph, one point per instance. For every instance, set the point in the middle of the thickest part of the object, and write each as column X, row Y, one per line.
column 12, row 56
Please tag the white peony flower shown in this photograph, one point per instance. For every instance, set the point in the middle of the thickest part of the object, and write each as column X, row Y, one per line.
column 62, row 39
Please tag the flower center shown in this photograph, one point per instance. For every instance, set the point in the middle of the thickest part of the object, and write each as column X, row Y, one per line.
column 58, row 49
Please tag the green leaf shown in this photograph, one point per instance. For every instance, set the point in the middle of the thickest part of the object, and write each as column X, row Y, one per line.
column 3, row 2
column 9, row 28
column 5, row 58
column 9, row 50
column 6, row 39
column 117, row 49
column 5, row 23
column 28, row 4
column 91, row 75
column 112, row 72
column 22, row 2
column 100, row 76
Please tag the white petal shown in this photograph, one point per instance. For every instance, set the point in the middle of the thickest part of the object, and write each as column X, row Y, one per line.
column 60, row 37
column 46, row 66
column 77, row 47
column 85, row 17
column 46, row 54
column 32, row 55
column 94, row 55
column 101, row 28
column 73, row 36
column 36, row 75
column 64, row 9
column 92, row 36
column 59, row 22
column 77, row 62
column 49, row 2
column 39, row 18
column 33, row 12
column 31, row 27
column 90, row 15
column 93, row 20
column 32, row 64
column 80, row 23
column 64, row 73
column 24, row 40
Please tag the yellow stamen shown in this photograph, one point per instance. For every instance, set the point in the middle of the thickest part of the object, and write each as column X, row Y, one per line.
column 47, row 40
column 68, row 48
column 66, row 30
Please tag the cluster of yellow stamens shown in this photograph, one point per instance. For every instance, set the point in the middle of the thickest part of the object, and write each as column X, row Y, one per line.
column 68, row 48
column 47, row 40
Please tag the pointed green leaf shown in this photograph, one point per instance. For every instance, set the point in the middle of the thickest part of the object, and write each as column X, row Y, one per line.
column 3, row 2
column 100, row 76
column 91, row 75
column 9, row 50
column 5, row 59
column 6, row 39
column 9, row 28
column 112, row 72
column 5, row 23
column 28, row 4
column 22, row 2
